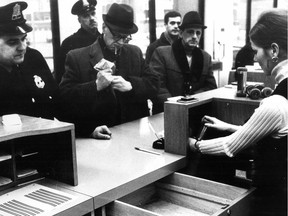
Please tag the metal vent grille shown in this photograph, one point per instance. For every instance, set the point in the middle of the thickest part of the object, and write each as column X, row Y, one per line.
column 33, row 200
column 16, row 208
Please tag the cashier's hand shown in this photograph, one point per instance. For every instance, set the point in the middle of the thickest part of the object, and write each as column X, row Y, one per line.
column 212, row 122
column 104, row 79
column 101, row 132
column 192, row 145
column 120, row 84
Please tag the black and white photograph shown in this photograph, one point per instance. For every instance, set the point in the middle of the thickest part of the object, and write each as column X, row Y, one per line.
column 143, row 108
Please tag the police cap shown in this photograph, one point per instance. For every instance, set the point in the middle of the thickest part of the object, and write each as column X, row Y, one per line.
column 12, row 20
column 83, row 6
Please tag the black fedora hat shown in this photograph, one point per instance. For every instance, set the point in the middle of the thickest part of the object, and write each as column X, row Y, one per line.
column 12, row 20
column 120, row 19
column 192, row 19
column 83, row 6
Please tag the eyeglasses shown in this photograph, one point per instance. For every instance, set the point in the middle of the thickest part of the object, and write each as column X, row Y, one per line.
column 118, row 36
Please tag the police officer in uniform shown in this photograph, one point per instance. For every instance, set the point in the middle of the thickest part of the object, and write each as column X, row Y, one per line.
column 86, row 35
column 26, row 82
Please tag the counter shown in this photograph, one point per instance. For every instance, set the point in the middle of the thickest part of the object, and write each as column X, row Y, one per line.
column 221, row 103
column 111, row 169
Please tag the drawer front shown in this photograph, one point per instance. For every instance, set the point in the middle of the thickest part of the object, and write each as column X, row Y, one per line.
column 239, row 206
column 180, row 194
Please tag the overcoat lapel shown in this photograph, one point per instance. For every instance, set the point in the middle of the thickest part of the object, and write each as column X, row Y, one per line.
column 95, row 55
column 180, row 56
column 181, row 59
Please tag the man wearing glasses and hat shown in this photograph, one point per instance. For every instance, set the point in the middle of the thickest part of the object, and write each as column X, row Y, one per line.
column 184, row 68
column 85, row 36
column 26, row 83
column 108, row 82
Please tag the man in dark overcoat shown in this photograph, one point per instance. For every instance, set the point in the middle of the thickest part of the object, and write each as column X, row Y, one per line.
column 172, row 20
column 183, row 67
column 26, row 83
column 108, row 82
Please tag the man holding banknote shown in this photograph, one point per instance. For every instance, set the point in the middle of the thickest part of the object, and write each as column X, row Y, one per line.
column 108, row 82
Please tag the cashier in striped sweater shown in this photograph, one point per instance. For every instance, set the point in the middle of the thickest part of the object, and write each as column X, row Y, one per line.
column 266, row 130
column 27, row 86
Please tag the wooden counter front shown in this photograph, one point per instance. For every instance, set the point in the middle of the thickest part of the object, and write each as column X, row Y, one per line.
column 51, row 142
column 34, row 150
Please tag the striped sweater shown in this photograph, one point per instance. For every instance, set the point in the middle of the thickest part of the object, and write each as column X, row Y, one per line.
column 270, row 118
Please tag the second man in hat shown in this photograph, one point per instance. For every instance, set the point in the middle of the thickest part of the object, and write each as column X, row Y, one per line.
column 184, row 68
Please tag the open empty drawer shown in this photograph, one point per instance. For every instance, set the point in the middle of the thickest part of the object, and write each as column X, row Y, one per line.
column 180, row 194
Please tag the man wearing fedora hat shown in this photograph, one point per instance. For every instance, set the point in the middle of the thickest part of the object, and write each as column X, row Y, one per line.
column 108, row 82
column 26, row 83
column 87, row 34
column 184, row 68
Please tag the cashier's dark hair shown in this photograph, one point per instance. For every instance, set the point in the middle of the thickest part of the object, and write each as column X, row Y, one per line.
column 271, row 27
column 171, row 14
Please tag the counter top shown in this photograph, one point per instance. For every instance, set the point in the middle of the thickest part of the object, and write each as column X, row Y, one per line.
column 227, row 93
column 110, row 169
column 32, row 126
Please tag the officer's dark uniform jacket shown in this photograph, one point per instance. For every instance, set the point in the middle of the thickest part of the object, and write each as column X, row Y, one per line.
column 29, row 89
column 79, row 39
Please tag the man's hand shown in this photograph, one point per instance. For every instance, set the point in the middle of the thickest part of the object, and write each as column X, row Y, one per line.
column 101, row 132
column 120, row 84
column 104, row 78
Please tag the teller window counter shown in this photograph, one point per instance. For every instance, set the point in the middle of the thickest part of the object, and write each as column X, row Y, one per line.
column 114, row 178
column 183, row 120
column 175, row 192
